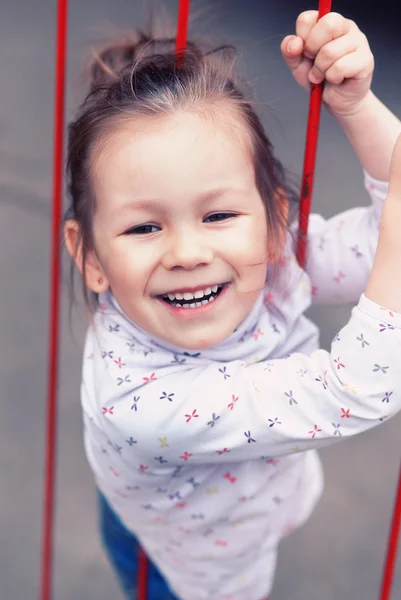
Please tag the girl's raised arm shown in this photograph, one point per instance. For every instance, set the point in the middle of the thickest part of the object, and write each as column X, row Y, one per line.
column 384, row 285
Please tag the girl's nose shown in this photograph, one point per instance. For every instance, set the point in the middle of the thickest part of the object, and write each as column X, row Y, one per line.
column 187, row 250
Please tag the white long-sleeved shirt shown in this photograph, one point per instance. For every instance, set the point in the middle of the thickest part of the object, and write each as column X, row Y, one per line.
column 202, row 454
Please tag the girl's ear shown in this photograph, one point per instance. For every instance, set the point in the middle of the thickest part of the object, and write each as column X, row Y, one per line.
column 95, row 278
column 274, row 255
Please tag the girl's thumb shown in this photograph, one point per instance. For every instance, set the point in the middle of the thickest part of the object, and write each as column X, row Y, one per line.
column 291, row 49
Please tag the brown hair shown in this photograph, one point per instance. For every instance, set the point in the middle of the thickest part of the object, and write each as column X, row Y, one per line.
column 140, row 77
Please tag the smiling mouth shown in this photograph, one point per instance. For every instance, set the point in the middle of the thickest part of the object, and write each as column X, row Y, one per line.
column 193, row 300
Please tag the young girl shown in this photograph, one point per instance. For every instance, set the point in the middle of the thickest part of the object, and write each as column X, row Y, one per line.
column 204, row 394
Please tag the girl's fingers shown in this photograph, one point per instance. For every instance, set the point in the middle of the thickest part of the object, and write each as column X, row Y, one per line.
column 320, row 48
column 291, row 49
column 328, row 28
column 305, row 23
column 330, row 53
column 348, row 67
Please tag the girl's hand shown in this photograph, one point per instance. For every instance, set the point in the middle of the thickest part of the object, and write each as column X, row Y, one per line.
column 334, row 50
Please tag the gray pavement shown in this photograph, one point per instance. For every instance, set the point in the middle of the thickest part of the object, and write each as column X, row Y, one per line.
column 339, row 553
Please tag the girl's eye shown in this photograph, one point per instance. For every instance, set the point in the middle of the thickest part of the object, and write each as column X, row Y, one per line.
column 142, row 229
column 221, row 216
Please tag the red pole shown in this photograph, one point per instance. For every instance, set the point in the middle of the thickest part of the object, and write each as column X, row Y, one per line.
column 182, row 26
column 312, row 132
column 305, row 207
column 48, row 514
column 142, row 575
column 395, row 529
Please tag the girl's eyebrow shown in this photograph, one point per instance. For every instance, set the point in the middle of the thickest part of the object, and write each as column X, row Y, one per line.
column 151, row 204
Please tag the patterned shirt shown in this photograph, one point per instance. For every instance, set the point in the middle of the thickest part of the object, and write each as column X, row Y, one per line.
column 202, row 454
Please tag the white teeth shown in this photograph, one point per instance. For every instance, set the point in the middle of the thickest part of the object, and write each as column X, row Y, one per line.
column 204, row 302
column 198, row 295
column 198, row 304
column 184, row 305
column 191, row 305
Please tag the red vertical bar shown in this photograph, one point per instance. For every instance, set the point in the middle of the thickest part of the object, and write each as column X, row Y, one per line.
column 305, row 206
column 48, row 511
column 142, row 575
column 312, row 133
column 182, row 31
column 182, row 26
column 395, row 529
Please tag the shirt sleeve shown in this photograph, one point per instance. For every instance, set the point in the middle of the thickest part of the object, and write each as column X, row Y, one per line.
column 236, row 412
column 341, row 250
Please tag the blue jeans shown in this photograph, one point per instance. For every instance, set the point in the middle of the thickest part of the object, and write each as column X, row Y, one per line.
column 122, row 549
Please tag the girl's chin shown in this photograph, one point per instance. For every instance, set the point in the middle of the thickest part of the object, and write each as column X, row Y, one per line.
column 197, row 336
column 196, row 342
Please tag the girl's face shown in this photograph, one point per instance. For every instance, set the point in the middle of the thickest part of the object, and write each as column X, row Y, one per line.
column 180, row 229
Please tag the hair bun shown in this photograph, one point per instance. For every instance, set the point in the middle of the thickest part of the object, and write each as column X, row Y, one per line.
column 134, row 49
column 111, row 60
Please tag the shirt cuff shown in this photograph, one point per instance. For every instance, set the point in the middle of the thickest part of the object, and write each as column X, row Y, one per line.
column 377, row 189
column 380, row 313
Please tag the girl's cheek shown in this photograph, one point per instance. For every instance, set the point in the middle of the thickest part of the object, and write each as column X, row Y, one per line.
column 251, row 243
column 134, row 266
